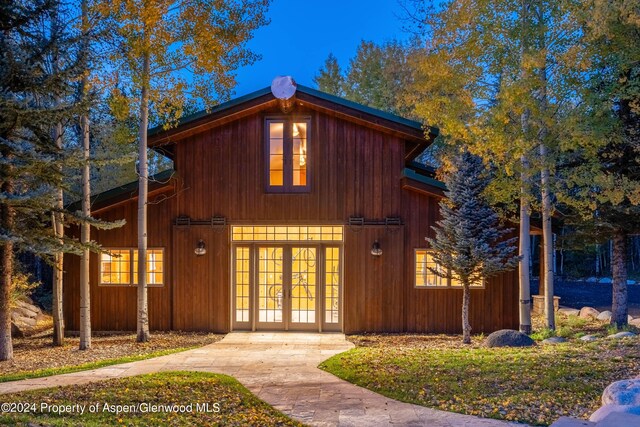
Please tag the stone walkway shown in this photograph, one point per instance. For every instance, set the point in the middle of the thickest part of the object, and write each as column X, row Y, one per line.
column 280, row 368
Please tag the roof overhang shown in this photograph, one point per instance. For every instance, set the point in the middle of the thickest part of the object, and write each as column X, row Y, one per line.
column 415, row 135
column 158, row 184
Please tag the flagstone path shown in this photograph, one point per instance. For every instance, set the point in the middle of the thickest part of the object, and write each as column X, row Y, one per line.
column 281, row 369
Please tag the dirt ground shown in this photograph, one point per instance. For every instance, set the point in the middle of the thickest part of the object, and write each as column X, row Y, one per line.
column 578, row 294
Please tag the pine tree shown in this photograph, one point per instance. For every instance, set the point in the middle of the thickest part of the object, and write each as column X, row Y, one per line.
column 39, row 70
column 36, row 103
column 378, row 76
column 329, row 78
column 469, row 241
column 606, row 191
column 166, row 49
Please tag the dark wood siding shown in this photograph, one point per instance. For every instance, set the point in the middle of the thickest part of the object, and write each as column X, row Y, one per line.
column 357, row 171
column 440, row 310
column 113, row 308
column 373, row 285
column 201, row 283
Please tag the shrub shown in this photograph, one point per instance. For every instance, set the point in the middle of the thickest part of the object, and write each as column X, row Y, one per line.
column 22, row 286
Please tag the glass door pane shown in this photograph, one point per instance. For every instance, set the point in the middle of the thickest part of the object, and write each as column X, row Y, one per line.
column 303, row 285
column 242, row 282
column 270, row 285
column 332, row 285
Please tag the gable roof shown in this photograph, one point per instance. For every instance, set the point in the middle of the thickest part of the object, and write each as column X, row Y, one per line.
column 162, row 139
column 125, row 192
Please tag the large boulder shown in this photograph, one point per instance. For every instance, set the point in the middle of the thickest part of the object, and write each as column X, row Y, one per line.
column 589, row 313
column 16, row 332
column 508, row 338
column 604, row 316
column 554, row 340
column 625, row 392
column 629, row 415
column 588, row 338
column 569, row 311
column 28, row 305
column 624, row 334
column 635, row 322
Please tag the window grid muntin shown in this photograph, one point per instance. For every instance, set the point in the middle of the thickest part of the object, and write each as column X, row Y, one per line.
column 303, row 284
column 270, row 284
column 290, row 183
column 242, row 272
column 422, row 260
column 287, row 233
column 121, row 260
column 132, row 266
column 152, row 261
column 332, row 285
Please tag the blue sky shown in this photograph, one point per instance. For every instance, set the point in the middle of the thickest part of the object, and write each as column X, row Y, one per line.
column 303, row 32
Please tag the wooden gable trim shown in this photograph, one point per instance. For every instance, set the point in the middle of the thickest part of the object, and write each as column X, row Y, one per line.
column 212, row 120
column 414, row 136
column 421, row 187
column 362, row 118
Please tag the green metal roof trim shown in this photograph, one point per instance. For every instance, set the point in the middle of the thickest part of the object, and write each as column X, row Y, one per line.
column 411, row 174
column 306, row 90
column 128, row 188
column 220, row 107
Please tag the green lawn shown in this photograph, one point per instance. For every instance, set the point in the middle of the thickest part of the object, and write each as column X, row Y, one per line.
column 533, row 385
column 229, row 403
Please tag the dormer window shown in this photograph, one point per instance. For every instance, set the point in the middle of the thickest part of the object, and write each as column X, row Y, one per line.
column 287, row 155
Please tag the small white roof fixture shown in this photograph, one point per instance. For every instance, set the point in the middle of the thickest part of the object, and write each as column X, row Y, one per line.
column 284, row 89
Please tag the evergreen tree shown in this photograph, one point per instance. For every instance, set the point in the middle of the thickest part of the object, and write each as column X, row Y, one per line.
column 606, row 191
column 378, row 76
column 40, row 66
column 329, row 78
column 469, row 241
column 168, row 51
column 36, row 103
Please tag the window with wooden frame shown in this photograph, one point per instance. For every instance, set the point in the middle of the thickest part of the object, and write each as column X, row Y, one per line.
column 120, row 267
column 426, row 278
column 287, row 155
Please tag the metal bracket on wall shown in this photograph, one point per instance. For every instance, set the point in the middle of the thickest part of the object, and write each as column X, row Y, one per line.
column 183, row 221
column 218, row 223
column 391, row 223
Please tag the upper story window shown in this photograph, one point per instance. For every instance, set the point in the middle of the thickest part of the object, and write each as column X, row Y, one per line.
column 287, row 155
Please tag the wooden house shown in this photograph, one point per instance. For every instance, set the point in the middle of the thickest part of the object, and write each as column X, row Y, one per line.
column 309, row 214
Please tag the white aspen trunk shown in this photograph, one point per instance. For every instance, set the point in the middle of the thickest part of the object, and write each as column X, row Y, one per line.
column 545, row 186
column 525, row 243
column 466, row 326
column 547, row 237
column 143, row 313
column 58, row 268
column 525, row 254
column 619, row 272
column 85, row 228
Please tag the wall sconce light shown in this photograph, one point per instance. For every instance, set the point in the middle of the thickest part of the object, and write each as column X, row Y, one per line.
column 200, row 249
column 376, row 250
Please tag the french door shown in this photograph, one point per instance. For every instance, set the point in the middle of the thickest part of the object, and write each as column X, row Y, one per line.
column 287, row 287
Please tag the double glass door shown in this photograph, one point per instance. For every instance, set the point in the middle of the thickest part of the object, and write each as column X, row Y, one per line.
column 287, row 287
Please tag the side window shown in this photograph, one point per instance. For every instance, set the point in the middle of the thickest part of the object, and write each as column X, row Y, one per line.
column 426, row 278
column 120, row 267
column 287, row 155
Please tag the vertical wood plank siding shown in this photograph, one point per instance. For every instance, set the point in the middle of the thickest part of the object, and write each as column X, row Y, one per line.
column 356, row 170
